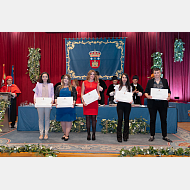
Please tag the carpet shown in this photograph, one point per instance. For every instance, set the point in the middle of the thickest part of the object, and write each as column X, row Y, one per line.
column 104, row 143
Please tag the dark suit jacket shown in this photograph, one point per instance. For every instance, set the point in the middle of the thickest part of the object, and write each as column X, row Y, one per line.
column 136, row 99
column 149, row 85
column 103, row 85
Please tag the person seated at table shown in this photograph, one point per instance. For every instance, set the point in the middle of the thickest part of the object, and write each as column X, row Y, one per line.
column 44, row 88
column 14, row 91
column 111, row 90
column 102, row 87
column 137, row 90
column 67, row 114
column 78, row 89
column 59, row 83
column 157, row 105
column 123, row 108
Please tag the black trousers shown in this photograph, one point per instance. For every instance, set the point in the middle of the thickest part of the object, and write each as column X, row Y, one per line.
column 123, row 109
column 12, row 115
column 158, row 106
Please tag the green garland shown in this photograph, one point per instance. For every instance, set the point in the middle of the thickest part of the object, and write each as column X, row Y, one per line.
column 178, row 50
column 40, row 150
column 157, row 61
column 79, row 125
column 3, row 106
column 34, row 64
column 154, row 152
column 136, row 126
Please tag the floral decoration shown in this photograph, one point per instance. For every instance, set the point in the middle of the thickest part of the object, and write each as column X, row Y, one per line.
column 154, row 152
column 79, row 125
column 157, row 61
column 136, row 126
column 40, row 150
column 34, row 64
column 178, row 50
column 3, row 106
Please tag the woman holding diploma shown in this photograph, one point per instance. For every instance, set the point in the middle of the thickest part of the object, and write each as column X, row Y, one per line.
column 66, row 115
column 90, row 110
column 44, row 88
column 123, row 108
column 160, row 105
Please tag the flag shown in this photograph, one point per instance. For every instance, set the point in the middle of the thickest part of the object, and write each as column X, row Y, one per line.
column 103, row 55
column 4, row 76
column 12, row 73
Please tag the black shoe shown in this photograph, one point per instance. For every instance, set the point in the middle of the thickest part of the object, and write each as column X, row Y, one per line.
column 119, row 136
column 63, row 137
column 125, row 136
column 166, row 139
column 151, row 138
column 88, row 138
column 66, row 139
column 93, row 137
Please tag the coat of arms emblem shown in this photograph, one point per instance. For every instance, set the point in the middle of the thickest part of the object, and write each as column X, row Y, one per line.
column 94, row 59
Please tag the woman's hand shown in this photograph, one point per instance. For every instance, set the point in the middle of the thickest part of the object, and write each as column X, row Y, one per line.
column 149, row 97
column 73, row 104
column 99, row 98
column 131, row 102
column 168, row 98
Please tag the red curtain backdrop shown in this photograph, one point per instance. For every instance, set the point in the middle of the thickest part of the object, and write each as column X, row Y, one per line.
column 139, row 47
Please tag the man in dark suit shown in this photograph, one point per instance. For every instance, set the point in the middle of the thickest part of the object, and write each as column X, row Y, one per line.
column 111, row 90
column 137, row 90
column 102, row 87
column 157, row 105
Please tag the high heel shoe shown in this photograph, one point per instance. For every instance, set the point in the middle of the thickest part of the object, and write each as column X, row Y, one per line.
column 63, row 137
column 41, row 137
column 93, row 137
column 46, row 137
column 88, row 137
column 66, row 138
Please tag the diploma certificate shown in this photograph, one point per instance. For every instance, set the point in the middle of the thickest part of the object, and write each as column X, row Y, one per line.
column 43, row 102
column 124, row 96
column 64, row 102
column 159, row 94
column 90, row 97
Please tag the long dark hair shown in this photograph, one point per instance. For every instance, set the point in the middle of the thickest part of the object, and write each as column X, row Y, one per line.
column 40, row 78
column 127, row 84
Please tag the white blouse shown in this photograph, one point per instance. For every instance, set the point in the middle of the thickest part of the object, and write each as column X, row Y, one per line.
column 123, row 89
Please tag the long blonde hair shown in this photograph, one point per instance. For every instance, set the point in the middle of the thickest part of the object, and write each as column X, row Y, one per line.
column 89, row 73
column 69, row 83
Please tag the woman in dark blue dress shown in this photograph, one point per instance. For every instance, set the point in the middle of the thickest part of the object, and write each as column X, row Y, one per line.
column 66, row 115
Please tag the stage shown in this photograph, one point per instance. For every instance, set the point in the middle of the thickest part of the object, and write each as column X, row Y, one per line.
column 104, row 143
column 28, row 117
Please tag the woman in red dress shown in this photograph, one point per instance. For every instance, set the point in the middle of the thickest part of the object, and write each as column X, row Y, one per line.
column 78, row 89
column 90, row 110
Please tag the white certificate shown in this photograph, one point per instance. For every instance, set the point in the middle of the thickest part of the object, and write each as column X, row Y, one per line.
column 159, row 94
column 64, row 102
column 43, row 102
column 124, row 96
column 90, row 97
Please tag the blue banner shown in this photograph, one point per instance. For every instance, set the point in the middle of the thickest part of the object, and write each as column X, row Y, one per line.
column 103, row 55
column 12, row 73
